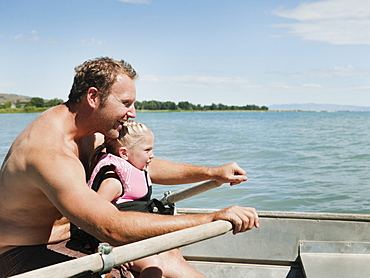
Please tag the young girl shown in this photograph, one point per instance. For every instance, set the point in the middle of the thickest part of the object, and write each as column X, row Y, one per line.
column 120, row 176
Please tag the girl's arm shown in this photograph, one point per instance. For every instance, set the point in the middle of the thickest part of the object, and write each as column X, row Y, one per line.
column 110, row 189
column 167, row 172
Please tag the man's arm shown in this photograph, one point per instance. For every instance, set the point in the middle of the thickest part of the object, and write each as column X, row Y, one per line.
column 168, row 172
column 64, row 185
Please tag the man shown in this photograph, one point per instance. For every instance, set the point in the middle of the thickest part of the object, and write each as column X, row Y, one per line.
column 43, row 181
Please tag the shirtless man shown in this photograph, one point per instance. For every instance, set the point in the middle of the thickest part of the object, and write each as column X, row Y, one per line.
column 43, row 181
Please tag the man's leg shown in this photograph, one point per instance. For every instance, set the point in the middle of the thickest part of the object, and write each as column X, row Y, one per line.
column 175, row 266
column 26, row 258
column 62, row 248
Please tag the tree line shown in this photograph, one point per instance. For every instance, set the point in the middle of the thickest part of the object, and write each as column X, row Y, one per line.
column 35, row 102
column 185, row 105
column 38, row 103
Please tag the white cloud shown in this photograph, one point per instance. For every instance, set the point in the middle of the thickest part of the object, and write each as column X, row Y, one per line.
column 51, row 40
column 18, row 37
column 348, row 71
column 32, row 37
column 93, row 42
column 198, row 80
column 341, row 22
column 286, row 86
column 311, row 85
column 135, row 1
column 327, row 9
column 361, row 88
column 6, row 84
column 279, row 85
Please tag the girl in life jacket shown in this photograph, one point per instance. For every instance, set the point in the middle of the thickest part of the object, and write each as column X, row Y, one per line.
column 120, row 176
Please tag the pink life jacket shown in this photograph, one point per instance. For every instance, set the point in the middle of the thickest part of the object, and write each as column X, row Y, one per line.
column 136, row 183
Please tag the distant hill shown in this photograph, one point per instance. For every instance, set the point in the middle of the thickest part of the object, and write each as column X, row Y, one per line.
column 318, row 107
column 13, row 98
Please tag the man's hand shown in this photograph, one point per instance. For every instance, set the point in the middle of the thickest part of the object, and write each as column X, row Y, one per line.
column 228, row 173
column 242, row 218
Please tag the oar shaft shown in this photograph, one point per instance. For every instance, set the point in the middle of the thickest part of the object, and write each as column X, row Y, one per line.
column 170, row 241
column 133, row 251
column 70, row 268
column 190, row 191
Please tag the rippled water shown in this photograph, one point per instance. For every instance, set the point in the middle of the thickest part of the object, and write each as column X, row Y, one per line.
column 296, row 161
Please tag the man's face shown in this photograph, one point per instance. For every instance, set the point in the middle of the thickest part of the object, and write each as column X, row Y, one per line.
column 118, row 107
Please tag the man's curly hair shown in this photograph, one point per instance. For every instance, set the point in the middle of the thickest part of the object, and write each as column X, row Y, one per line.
column 100, row 73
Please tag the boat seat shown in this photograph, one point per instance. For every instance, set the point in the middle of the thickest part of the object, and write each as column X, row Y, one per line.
column 326, row 259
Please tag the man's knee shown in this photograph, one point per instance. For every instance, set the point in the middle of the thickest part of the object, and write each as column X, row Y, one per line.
column 174, row 265
column 173, row 254
column 156, row 261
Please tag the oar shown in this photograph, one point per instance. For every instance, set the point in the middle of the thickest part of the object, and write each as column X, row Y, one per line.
column 131, row 252
column 190, row 191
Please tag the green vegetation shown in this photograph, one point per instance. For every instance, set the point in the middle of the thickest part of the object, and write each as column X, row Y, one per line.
column 34, row 105
column 29, row 109
column 187, row 106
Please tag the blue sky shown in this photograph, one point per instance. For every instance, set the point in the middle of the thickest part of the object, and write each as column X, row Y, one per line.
column 204, row 51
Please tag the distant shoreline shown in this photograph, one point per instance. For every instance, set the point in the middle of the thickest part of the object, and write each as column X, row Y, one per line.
column 42, row 109
column 22, row 110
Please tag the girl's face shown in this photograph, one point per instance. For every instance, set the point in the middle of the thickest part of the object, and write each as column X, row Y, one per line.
column 141, row 154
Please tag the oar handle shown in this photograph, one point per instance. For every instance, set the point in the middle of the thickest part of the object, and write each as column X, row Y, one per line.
column 189, row 191
column 133, row 251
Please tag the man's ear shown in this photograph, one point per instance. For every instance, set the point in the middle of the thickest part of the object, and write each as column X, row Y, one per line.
column 92, row 97
column 122, row 151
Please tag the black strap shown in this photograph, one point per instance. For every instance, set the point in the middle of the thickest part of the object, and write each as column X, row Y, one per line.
column 102, row 175
column 143, row 206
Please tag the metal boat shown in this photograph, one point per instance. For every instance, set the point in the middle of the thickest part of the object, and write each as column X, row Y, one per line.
column 288, row 244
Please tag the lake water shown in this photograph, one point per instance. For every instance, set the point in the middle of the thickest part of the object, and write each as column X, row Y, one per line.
column 296, row 161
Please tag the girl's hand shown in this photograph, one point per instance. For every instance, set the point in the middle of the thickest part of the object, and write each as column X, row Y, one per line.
column 127, row 266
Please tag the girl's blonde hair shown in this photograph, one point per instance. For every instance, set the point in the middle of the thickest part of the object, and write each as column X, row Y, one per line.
column 129, row 136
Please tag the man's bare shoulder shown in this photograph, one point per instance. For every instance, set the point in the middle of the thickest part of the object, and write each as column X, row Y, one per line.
column 50, row 124
column 41, row 142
